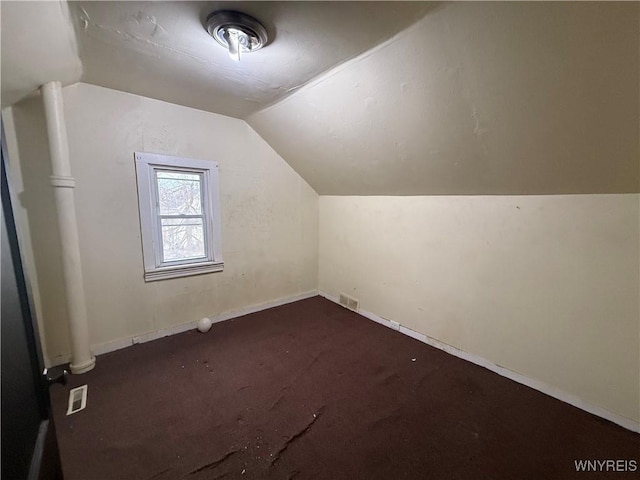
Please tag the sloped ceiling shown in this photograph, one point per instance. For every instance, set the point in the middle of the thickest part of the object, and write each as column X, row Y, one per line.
column 476, row 98
column 375, row 98
column 38, row 46
column 161, row 49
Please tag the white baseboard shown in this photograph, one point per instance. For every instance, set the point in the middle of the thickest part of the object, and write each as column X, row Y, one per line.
column 554, row 392
column 100, row 348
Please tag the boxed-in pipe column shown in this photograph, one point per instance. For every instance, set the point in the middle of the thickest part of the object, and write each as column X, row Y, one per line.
column 63, row 183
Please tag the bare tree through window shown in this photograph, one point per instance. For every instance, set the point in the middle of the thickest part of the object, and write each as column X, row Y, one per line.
column 180, row 200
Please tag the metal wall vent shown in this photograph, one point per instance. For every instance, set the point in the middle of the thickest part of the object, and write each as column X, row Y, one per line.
column 77, row 399
column 348, row 302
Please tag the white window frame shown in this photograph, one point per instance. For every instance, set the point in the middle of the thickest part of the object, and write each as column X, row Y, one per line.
column 147, row 164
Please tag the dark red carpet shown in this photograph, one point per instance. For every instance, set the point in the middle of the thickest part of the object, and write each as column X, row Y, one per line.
column 310, row 390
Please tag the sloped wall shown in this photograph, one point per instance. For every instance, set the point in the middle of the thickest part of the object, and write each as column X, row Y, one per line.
column 38, row 45
column 477, row 98
column 546, row 286
column 269, row 225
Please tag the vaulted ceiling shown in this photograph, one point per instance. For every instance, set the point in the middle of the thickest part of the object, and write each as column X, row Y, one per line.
column 38, row 46
column 476, row 98
column 161, row 49
column 365, row 98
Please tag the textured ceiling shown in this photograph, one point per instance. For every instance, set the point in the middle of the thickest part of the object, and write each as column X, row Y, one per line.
column 375, row 98
column 476, row 98
column 38, row 46
column 161, row 49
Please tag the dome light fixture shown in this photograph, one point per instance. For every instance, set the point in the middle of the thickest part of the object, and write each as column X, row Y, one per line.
column 237, row 32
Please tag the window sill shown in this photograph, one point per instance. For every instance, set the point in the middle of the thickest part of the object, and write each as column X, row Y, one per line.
column 182, row 271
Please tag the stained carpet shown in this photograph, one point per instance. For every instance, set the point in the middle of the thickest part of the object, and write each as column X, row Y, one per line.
column 310, row 390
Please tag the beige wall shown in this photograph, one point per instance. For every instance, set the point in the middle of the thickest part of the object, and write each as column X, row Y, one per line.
column 476, row 98
column 269, row 226
column 546, row 286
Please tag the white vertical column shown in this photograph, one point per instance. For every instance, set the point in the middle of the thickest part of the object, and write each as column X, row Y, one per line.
column 81, row 359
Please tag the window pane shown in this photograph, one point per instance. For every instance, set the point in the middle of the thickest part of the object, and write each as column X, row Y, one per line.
column 179, row 193
column 182, row 239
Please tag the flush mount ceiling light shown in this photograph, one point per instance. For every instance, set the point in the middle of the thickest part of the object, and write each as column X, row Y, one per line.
column 236, row 32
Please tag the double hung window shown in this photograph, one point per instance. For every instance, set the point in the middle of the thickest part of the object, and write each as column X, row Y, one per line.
column 179, row 216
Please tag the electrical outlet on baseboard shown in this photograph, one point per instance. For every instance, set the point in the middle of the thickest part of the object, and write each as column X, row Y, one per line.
column 394, row 325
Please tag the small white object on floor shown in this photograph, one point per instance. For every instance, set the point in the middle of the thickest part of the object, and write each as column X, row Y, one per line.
column 413, row 359
column 204, row 325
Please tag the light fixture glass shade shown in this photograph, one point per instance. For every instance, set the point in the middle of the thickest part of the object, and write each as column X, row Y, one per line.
column 233, row 44
column 237, row 42
column 237, row 32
